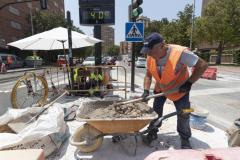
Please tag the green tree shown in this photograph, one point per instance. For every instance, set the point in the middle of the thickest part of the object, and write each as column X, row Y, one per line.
column 220, row 24
column 176, row 31
column 43, row 21
column 113, row 50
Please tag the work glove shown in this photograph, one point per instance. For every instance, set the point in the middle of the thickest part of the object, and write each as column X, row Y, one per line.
column 186, row 87
column 145, row 94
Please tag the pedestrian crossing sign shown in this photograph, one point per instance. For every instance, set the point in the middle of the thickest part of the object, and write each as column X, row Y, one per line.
column 134, row 31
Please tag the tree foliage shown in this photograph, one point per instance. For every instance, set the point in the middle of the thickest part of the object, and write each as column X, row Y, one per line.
column 113, row 50
column 176, row 31
column 43, row 21
column 220, row 24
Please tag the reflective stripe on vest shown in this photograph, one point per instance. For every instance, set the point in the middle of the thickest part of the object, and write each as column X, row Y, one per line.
column 75, row 74
column 100, row 77
column 92, row 76
column 169, row 80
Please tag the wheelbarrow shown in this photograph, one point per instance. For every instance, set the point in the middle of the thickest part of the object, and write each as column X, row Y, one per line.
column 89, row 137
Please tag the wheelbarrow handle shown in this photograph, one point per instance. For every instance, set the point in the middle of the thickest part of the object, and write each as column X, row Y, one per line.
column 158, row 120
column 183, row 111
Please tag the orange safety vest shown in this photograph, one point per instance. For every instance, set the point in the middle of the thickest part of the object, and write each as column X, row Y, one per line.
column 169, row 79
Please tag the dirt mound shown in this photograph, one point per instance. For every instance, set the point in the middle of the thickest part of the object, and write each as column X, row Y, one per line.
column 132, row 110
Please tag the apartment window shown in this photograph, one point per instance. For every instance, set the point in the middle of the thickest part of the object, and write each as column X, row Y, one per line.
column 13, row 10
column 15, row 25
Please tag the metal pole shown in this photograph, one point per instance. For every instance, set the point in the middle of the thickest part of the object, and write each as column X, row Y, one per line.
column 98, row 46
column 30, row 8
column 66, row 64
column 31, row 19
column 70, row 46
column 133, row 57
column 193, row 17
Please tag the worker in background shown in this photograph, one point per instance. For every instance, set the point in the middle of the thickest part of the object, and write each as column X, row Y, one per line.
column 96, row 80
column 9, row 61
column 167, row 64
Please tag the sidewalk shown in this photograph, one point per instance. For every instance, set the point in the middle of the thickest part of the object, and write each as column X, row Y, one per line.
column 168, row 139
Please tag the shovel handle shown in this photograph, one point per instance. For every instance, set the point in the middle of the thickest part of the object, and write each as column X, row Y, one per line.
column 140, row 99
column 44, row 109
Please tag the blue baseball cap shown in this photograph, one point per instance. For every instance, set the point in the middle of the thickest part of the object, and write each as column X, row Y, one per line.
column 150, row 41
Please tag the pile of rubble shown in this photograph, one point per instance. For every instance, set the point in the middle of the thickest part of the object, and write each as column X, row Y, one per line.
column 132, row 110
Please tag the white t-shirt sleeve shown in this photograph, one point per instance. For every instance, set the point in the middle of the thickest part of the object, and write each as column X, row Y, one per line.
column 189, row 58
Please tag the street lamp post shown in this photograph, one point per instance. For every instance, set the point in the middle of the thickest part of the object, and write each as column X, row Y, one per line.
column 32, row 29
column 192, row 29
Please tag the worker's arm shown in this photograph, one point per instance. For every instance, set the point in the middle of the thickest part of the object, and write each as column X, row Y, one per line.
column 199, row 69
column 147, row 84
column 192, row 60
column 147, row 80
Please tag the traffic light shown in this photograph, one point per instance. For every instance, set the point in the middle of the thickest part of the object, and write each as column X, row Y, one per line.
column 136, row 9
column 43, row 4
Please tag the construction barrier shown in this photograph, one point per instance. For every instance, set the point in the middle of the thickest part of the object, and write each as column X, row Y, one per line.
column 210, row 73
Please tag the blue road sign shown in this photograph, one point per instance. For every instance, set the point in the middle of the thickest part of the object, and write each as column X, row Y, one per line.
column 134, row 31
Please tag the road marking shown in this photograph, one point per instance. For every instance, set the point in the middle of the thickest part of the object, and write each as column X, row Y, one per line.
column 203, row 92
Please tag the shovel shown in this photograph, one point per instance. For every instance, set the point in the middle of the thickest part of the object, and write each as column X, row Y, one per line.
column 147, row 98
column 139, row 99
column 22, row 122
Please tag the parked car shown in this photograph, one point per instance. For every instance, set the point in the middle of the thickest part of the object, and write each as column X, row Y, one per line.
column 89, row 61
column 105, row 60
column 129, row 59
column 141, row 62
column 16, row 62
column 61, row 60
column 112, row 61
column 33, row 61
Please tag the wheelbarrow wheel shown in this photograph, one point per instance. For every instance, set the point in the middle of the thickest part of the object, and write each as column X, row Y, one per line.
column 83, row 138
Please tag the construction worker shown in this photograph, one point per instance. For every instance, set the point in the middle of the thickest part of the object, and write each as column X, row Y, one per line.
column 167, row 64
column 75, row 75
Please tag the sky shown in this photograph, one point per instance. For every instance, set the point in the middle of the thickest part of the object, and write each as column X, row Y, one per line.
column 153, row 9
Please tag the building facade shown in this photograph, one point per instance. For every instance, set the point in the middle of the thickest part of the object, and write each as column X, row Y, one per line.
column 107, row 35
column 125, row 47
column 145, row 20
column 14, row 18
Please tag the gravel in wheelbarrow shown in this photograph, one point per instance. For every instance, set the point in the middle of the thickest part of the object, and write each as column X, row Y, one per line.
column 107, row 110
